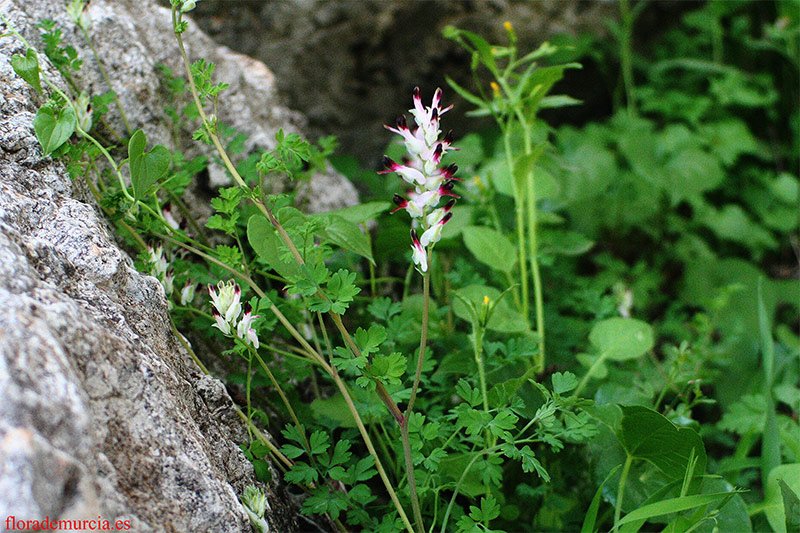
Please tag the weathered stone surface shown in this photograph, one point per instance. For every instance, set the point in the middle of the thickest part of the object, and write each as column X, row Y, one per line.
column 102, row 412
column 350, row 65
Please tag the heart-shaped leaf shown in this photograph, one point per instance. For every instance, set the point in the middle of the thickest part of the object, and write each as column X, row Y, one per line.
column 266, row 243
column 27, row 67
column 490, row 247
column 347, row 235
column 146, row 167
column 648, row 435
column 53, row 126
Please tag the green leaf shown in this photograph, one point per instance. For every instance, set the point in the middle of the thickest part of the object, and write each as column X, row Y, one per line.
column 267, row 244
column 774, row 504
column 53, row 126
column 490, row 247
column 27, row 67
column 469, row 393
column 673, row 505
column 146, row 167
column 362, row 470
column 488, row 511
column 558, row 100
column 358, row 214
column 591, row 513
column 646, row 434
column 368, row 341
column 318, row 442
column 466, row 95
column 621, row 339
column 348, row 235
column 301, row 473
column 564, row 382
column 791, row 507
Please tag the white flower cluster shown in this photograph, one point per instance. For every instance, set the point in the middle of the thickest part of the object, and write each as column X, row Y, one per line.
column 226, row 310
column 422, row 171
column 160, row 269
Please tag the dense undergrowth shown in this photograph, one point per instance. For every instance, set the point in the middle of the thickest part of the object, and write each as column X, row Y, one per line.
column 600, row 334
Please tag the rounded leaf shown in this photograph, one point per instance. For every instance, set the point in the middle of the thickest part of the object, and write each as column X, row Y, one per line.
column 622, row 338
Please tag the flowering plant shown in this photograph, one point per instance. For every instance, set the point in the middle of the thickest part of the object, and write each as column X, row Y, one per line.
column 422, row 171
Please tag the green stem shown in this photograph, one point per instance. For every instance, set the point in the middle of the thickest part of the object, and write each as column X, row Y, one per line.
column 365, row 436
column 519, row 203
column 423, row 341
column 412, row 481
column 621, row 492
column 272, row 448
column 530, row 203
column 282, row 395
column 588, row 376
column 626, row 54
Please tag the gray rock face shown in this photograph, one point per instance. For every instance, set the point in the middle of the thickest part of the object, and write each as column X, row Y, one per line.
column 102, row 412
column 350, row 65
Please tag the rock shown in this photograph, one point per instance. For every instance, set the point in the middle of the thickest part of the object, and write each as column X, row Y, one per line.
column 350, row 65
column 102, row 411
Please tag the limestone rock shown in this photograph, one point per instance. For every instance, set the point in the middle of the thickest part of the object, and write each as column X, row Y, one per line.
column 350, row 65
column 102, row 412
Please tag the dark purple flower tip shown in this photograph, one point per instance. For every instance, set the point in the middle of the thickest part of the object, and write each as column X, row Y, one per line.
column 449, row 170
column 414, row 238
column 389, row 164
column 416, row 92
column 446, row 218
column 449, row 205
column 248, row 308
column 448, row 139
column 437, row 97
column 447, row 188
column 214, row 312
column 400, row 202
column 401, row 123
column 437, row 152
column 211, row 289
column 435, row 114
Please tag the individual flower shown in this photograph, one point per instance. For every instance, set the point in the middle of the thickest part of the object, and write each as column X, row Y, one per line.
column 226, row 309
column 422, row 171
column 243, row 330
column 169, row 217
column 187, row 293
column 226, row 299
column 169, row 282
column 419, row 255
column 78, row 12
column 158, row 263
column 83, row 111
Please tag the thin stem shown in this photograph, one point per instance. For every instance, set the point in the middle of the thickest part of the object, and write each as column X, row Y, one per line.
column 381, row 391
column 272, row 448
column 365, row 436
column 530, row 203
column 282, row 395
column 588, row 376
column 519, row 207
column 423, row 340
column 621, row 492
column 412, row 481
column 626, row 54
